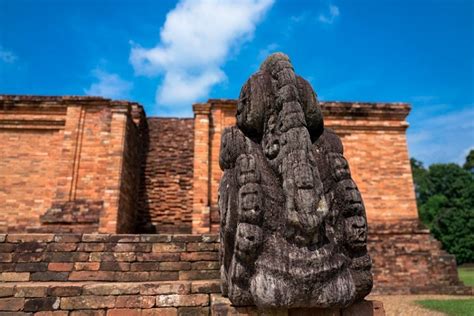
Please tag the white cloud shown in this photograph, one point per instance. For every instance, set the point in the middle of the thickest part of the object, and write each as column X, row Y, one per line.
column 331, row 16
column 195, row 41
column 109, row 85
column 7, row 56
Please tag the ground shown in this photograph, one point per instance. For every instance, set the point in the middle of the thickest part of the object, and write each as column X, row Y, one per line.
column 418, row 305
column 405, row 305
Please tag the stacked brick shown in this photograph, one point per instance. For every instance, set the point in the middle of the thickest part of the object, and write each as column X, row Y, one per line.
column 57, row 151
column 408, row 260
column 166, row 196
column 374, row 138
column 79, row 216
column 153, row 274
column 102, row 257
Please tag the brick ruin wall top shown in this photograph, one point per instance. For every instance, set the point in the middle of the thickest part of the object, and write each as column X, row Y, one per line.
column 69, row 164
column 97, row 153
column 82, row 160
column 374, row 139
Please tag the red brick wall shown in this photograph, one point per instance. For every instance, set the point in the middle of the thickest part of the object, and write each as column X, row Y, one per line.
column 374, row 138
column 58, row 150
column 130, row 178
column 27, row 176
column 412, row 261
column 166, row 194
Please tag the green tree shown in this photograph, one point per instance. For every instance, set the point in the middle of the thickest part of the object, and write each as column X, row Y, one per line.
column 445, row 198
column 455, row 229
column 420, row 177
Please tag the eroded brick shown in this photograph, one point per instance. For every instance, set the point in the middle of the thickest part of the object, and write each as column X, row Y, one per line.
column 206, row 286
column 206, row 265
column 175, row 266
column 169, row 247
column 60, row 266
column 64, row 291
column 199, row 275
column 115, row 266
column 202, row 246
column 200, row 256
column 11, row 304
column 87, row 302
column 176, row 300
column 31, row 290
column 112, row 289
column 135, row 301
column 92, row 276
column 42, row 304
column 15, row 276
column 86, row 266
column 177, row 287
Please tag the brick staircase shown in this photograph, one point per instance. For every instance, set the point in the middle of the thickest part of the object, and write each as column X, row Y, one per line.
column 407, row 259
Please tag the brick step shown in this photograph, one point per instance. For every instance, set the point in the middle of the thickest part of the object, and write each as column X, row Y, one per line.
column 119, row 298
column 108, row 257
column 438, row 290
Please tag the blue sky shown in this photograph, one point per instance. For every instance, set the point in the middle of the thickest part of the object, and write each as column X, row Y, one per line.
column 168, row 54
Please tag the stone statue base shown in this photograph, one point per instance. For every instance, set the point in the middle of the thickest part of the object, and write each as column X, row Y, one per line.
column 221, row 306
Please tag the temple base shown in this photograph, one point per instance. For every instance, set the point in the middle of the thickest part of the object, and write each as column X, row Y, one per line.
column 221, row 306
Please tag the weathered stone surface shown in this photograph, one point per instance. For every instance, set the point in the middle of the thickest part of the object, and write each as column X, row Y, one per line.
column 293, row 224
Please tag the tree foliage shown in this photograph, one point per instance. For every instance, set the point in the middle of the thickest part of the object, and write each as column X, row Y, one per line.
column 445, row 198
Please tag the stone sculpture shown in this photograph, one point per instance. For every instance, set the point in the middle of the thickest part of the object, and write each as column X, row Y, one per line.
column 293, row 224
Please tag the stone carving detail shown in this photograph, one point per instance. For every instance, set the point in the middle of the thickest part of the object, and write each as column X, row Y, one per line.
column 293, row 224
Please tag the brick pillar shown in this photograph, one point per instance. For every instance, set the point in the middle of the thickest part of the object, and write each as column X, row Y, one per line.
column 70, row 154
column 222, row 116
column 201, row 207
column 113, row 172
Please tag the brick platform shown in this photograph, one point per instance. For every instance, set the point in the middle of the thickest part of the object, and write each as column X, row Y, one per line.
column 102, row 274
column 103, row 257
column 178, row 274
column 221, row 306
column 150, row 298
column 407, row 259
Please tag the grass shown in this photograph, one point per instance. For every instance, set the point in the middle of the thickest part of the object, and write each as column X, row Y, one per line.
column 450, row 307
column 455, row 307
column 466, row 274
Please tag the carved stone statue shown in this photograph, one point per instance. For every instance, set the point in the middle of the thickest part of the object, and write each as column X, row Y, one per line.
column 293, row 224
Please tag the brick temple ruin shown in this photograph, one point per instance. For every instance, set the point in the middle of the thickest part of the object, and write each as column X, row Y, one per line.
column 86, row 165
